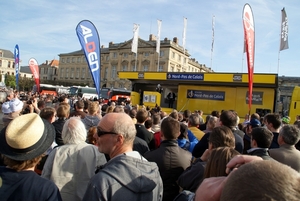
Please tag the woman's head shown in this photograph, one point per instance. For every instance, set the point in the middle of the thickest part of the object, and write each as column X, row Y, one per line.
column 216, row 164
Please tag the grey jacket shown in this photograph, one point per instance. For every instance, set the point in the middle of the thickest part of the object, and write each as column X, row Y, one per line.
column 126, row 178
column 71, row 167
column 90, row 121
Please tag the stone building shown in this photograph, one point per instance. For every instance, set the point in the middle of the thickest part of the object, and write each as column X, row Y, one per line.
column 7, row 62
column 73, row 67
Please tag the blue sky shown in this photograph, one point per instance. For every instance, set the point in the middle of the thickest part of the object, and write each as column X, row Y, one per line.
column 44, row 29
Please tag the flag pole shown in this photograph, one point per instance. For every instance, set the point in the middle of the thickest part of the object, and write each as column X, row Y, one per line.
column 158, row 42
column 212, row 42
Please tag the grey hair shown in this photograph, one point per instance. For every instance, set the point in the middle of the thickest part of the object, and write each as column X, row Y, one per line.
column 290, row 134
column 125, row 126
column 74, row 131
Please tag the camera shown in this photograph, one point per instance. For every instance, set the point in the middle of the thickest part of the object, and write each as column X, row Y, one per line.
column 29, row 102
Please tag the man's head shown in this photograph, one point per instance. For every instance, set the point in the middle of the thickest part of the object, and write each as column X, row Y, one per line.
column 48, row 113
column 272, row 121
column 261, row 137
column 116, row 133
column 170, row 129
column 289, row 134
column 24, row 140
column 194, row 120
column 142, row 115
column 228, row 118
column 79, row 105
column 262, row 180
column 41, row 104
column 156, row 119
column 63, row 111
column 74, row 131
column 174, row 115
column 10, row 94
column 93, row 107
column 221, row 136
column 253, row 123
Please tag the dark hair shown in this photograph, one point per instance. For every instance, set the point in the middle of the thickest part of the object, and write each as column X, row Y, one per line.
column 215, row 113
column 222, row 136
column 228, row 118
column 148, row 123
column 217, row 161
column 79, row 104
column 183, row 131
column 170, row 128
column 274, row 119
column 156, row 119
column 262, row 136
column 141, row 115
column 47, row 113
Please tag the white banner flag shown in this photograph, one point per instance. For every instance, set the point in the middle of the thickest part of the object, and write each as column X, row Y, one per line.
column 135, row 39
column 184, row 33
column 158, row 36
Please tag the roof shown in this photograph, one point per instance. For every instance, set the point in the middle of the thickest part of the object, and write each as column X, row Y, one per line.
column 7, row 53
column 25, row 69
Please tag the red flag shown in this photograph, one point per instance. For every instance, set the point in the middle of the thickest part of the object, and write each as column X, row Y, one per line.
column 34, row 67
column 249, row 36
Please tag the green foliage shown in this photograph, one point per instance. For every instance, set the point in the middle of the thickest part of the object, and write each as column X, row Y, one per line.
column 26, row 84
column 10, row 81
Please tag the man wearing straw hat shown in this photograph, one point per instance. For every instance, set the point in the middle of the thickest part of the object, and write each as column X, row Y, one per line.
column 22, row 144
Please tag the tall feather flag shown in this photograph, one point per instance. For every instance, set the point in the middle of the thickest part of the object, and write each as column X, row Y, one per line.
column 213, row 33
column 184, row 33
column 90, row 43
column 284, row 31
column 17, row 64
column 158, row 36
column 34, row 67
column 135, row 40
column 249, row 36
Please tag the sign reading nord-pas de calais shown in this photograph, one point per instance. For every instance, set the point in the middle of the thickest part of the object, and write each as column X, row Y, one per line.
column 257, row 97
column 208, row 95
column 181, row 76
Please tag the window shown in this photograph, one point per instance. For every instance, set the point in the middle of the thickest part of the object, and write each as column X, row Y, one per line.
column 63, row 60
column 67, row 73
column 1, row 54
column 107, row 58
column 184, row 61
column 146, row 54
column 124, row 68
column 8, row 65
column 162, row 53
column 61, row 73
column 77, row 72
column 72, row 73
column 105, row 73
column 173, row 55
column 161, row 68
column 45, row 70
column 121, row 85
column 133, row 68
column 68, row 60
column 42, row 70
column 145, row 68
column 73, row 60
column 114, row 55
column 125, row 55
column 78, row 59
column 113, row 72
column 172, row 69
column 179, row 58
column 82, row 73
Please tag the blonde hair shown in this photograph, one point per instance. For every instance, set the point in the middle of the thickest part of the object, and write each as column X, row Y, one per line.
column 93, row 107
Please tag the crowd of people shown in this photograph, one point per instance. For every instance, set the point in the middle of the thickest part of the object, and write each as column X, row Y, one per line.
column 71, row 149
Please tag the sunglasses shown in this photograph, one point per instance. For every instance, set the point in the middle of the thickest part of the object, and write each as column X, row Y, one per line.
column 100, row 132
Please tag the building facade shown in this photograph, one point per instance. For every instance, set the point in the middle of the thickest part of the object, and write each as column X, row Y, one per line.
column 73, row 68
column 7, row 62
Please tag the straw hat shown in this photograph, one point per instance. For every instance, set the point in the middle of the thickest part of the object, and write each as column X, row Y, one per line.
column 26, row 137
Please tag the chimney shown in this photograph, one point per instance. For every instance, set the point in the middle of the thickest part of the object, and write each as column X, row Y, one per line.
column 152, row 37
column 111, row 43
column 175, row 40
column 165, row 39
column 102, row 46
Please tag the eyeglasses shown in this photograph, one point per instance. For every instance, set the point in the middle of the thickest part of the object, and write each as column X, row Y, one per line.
column 100, row 132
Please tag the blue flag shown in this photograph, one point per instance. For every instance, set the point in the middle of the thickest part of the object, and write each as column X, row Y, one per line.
column 17, row 60
column 90, row 43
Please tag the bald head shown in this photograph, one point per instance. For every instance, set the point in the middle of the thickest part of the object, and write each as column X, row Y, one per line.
column 262, row 180
column 120, row 123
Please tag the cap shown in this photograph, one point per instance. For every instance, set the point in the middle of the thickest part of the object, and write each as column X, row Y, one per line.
column 254, row 123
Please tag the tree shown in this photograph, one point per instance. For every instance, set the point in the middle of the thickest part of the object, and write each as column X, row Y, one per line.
column 10, row 81
column 26, row 84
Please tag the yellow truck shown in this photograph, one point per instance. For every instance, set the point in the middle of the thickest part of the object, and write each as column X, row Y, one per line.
column 205, row 91
column 294, row 110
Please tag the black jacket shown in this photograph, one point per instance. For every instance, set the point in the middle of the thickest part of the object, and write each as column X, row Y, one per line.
column 58, row 125
column 261, row 152
column 172, row 161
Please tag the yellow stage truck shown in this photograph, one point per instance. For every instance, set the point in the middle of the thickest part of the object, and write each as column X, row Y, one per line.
column 204, row 91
